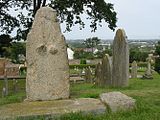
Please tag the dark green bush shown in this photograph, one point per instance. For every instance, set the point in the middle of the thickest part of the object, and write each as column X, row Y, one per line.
column 81, row 66
column 83, row 61
column 157, row 65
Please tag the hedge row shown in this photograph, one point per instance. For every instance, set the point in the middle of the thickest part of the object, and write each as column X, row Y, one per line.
column 142, row 64
column 79, row 66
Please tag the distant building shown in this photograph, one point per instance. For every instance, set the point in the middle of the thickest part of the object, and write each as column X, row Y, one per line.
column 95, row 51
column 70, row 54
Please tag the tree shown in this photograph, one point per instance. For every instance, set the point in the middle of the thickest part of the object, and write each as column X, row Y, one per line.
column 69, row 11
column 92, row 42
column 157, row 61
column 81, row 54
column 137, row 55
column 5, row 43
column 17, row 49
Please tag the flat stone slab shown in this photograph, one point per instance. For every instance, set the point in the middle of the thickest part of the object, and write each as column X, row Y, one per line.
column 117, row 101
column 76, row 79
column 57, row 107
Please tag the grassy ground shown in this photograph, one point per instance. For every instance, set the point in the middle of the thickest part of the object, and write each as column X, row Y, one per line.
column 146, row 93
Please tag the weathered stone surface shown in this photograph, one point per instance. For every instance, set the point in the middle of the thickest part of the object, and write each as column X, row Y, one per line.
column 47, row 63
column 77, row 79
column 98, row 74
column 59, row 107
column 134, row 70
column 88, row 75
column 117, row 101
column 120, row 73
column 148, row 73
column 106, row 71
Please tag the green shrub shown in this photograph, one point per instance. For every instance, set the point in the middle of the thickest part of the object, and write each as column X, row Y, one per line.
column 81, row 66
column 141, row 64
column 83, row 61
column 157, row 65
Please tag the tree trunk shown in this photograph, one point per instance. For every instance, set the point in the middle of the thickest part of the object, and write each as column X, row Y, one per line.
column 37, row 4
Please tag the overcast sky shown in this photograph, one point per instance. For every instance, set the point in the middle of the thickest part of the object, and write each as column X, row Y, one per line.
column 139, row 18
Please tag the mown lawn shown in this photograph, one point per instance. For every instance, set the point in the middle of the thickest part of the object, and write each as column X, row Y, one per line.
column 146, row 93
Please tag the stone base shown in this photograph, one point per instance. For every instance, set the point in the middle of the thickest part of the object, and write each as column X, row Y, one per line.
column 53, row 108
column 147, row 77
column 117, row 101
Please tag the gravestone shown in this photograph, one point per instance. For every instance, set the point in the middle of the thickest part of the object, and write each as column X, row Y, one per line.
column 117, row 101
column 83, row 72
column 47, row 62
column 98, row 74
column 148, row 73
column 15, row 86
column 5, row 82
column 88, row 75
column 106, row 71
column 120, row 73
column 134, row 70
column 3, row 92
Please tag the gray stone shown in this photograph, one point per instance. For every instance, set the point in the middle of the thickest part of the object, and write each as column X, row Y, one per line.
column 77, row 79
column 98, row 74
column 134, row 70
column 6, row 82
column 106, row 71
column 88, row 75
column 53, row 108
column 117, row 101
column 148, row 73
column 120, row 73
column 3, row 92
column 15, row 86
column 47, row 62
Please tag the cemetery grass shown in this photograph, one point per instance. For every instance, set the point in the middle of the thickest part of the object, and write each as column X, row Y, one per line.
column 146, row 93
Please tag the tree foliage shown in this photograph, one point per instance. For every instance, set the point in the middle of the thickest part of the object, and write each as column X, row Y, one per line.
column 137, row 55
column 5, row 43
column 81, row 54
column 157, row 60
column 17, row 49
column 10, row 49
column 101, row 54
column 69, row 11
column 92, row 42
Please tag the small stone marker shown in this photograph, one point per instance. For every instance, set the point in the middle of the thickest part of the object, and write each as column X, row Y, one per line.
column 117, row 101
column 134, row 70
column 88, row 75
column 106, row 71
column 148, row 73
column 120, row 71
column 83, row 71
column 6, row 82
column 47, row 62
column 3, row 92
column 98, row 74
column 15, row 86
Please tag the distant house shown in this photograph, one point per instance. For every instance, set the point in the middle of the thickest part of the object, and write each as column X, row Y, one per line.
column 95, row 51
column 90, row 50
column 70, row 54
